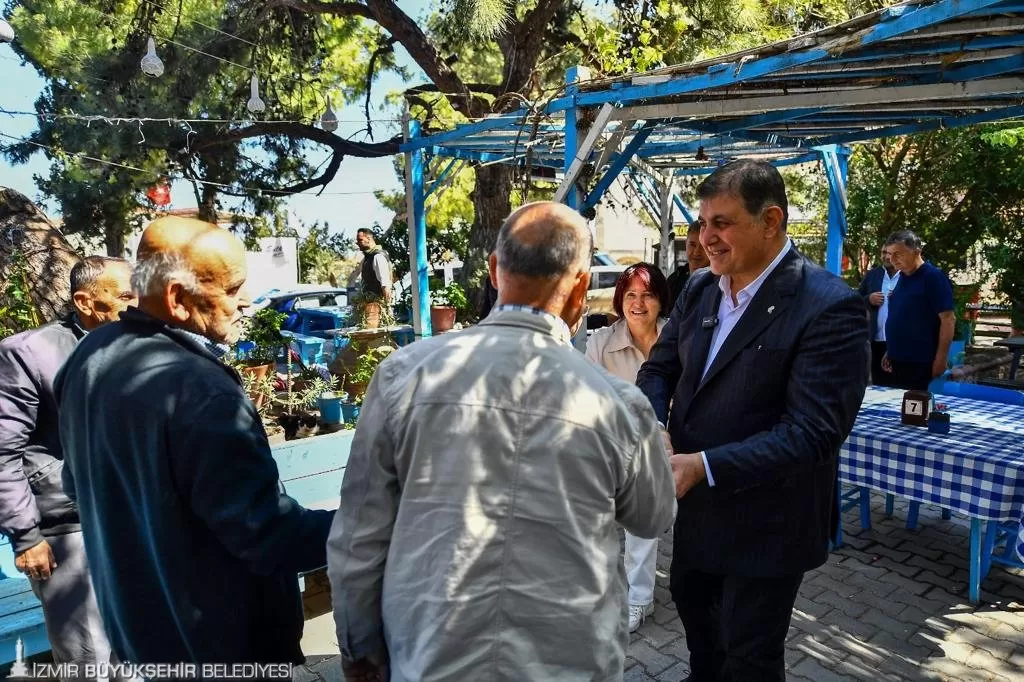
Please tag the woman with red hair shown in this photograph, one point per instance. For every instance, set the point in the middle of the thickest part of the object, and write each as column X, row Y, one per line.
column 642, row 302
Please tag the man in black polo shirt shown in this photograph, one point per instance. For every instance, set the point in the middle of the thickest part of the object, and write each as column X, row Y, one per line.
column 921, row 320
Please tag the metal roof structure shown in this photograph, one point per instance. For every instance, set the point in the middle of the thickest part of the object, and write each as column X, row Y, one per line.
column 918, row 66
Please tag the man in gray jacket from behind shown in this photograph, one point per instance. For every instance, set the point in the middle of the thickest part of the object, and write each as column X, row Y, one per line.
column 35, row 514
column 478, row 535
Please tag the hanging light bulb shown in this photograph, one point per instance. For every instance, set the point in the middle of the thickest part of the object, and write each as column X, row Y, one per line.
column 6, row 32
column 151, row 64
column 329, row 121
column 255, row 104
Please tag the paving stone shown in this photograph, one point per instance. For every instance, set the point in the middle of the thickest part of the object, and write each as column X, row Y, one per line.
column 676, row 673
column 812, row 669
column 651, row 659
column 636, row 674
column 656, row 635
column 889, row 605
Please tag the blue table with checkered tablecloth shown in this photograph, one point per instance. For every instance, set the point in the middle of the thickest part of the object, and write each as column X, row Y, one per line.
column 977, row 469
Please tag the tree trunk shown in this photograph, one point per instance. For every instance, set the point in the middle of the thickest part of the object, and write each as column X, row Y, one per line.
column 113, row 238
column 26, row 231
column 492, row 204
column 208, row 208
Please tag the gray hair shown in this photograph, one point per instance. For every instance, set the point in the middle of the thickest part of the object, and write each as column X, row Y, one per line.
column 905, row 237
column 556, row 254
column 89, row 269
column 153, row 273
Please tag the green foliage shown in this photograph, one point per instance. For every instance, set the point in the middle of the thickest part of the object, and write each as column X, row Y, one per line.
column 17, row 313
column 360, row 304
column 955, row 188
column 452, row 296
column 300, row 58
column 264, row 330
column 292, row 399
column 649, row 34
column 366, row 367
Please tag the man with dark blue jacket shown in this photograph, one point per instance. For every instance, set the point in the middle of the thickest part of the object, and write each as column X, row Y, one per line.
column 194, row 548
column 40, row 520
column 759, row 375
column 876, row 289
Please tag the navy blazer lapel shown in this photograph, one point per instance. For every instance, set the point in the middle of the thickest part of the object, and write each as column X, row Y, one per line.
column 767, row 306
column 700, row 346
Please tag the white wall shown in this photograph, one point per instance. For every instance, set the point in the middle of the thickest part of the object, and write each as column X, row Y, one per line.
column 618, row 229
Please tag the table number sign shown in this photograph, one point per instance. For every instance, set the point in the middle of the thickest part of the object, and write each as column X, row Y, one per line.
column 916, row 407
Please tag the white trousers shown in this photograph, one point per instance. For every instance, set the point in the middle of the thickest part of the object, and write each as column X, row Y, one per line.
column 641, row 560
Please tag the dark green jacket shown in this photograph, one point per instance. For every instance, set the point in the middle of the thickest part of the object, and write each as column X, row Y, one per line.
column 194, row 550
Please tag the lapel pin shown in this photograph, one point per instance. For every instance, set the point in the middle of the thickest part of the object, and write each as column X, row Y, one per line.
column 771, row 309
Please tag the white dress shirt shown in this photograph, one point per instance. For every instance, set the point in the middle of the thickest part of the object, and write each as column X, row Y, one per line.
column 729, row 315
column 888, row 286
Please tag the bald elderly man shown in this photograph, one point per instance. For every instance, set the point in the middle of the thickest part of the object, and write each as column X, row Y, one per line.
column 479, row 535
column 194, row 550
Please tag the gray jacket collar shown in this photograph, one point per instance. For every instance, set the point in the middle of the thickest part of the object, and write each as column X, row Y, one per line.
column 525, row 319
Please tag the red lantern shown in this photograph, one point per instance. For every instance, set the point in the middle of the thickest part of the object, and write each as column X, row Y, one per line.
column 160, row 193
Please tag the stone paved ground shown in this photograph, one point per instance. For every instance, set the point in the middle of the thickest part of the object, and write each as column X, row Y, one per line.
column 890, row 605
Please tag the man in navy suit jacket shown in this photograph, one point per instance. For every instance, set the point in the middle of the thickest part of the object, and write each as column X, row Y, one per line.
column 876, row 288
column 759, row 375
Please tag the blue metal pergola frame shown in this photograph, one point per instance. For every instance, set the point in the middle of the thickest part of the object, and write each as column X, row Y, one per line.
column 918, row 66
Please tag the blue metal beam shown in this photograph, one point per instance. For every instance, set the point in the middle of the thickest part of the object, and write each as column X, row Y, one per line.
column 417, row 224
column 945, row 122
column 985, row 69
column 617, row 164
column 836, row 162
column 463, row 131
column 490, row 157
column 788, row 161
column 722, row 75
column 641, row 191
column 440, row 178
column 573, row 76
column 682, row 209
column 747, row 122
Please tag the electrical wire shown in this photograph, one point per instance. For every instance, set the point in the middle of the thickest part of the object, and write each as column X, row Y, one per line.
column 94, row 118
column 157, row 174
column 199, row 23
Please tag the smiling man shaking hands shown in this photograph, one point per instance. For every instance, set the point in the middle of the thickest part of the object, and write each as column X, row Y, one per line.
column 764, row 362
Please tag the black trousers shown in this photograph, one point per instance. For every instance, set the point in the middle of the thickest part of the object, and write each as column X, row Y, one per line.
column 911, row 376
column 879, row 377
column 735, row 627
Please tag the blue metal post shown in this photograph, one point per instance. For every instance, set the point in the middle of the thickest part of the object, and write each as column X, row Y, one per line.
column 836, row 161
column 573, row 76
column 417, row 224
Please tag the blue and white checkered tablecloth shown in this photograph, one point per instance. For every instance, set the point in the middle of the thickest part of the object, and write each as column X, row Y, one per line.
column 976, row 469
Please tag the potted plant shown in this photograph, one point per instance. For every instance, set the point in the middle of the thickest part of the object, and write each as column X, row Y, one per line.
column 443, row 306
column 256, row 353
column 358, row 380
column 261, row 392
column 371, row 311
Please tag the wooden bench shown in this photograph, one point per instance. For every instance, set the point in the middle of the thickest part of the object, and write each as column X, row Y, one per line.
column 311, row 470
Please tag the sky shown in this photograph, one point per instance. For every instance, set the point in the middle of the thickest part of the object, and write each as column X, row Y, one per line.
column 20, row 86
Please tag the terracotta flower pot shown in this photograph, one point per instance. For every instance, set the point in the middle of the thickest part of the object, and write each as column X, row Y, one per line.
column 258, row 372
column 442, row 318
column 371, row 315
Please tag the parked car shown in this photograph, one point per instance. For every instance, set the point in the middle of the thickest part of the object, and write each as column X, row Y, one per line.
column 302, row 297
column 600, row 294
